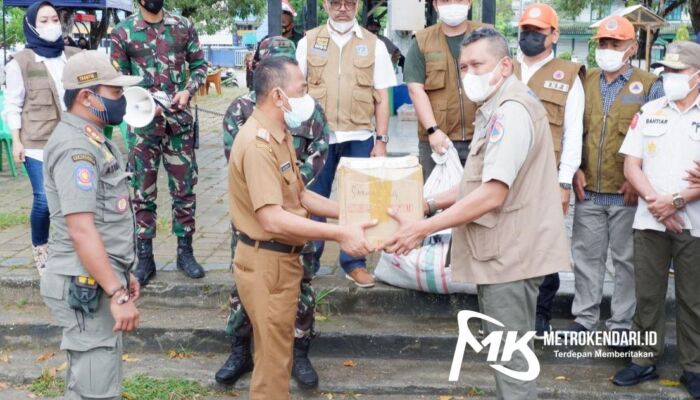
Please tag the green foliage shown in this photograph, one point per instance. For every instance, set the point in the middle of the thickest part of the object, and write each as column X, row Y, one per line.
column 591, row 54
column 141, row 387
column 8, row 220
column 682, row 33
column 214, row 15
column 504, row 16
column 565, row 55
column 47, row 385
column 13, row 28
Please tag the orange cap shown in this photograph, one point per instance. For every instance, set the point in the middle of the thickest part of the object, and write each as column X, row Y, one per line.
column 615, row 27
column 539, row 15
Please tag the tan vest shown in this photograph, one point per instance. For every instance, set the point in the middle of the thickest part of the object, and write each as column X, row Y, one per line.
column 453, row 111
column 552, row 84
column 525, row 237
column 603, row 134
column 42, row 107
column 342, row 81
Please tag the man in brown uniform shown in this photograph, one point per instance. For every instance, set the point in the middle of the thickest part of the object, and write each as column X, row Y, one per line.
column 508, row 224
column 270, row 207
column 444, row 112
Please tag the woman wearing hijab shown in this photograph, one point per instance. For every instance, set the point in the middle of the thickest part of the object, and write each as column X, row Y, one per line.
column 33, row 107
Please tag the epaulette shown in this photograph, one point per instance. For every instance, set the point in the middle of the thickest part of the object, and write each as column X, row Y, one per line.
column 263, row 135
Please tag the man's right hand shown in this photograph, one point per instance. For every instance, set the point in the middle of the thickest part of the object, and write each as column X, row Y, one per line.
column 126, row 316
column 17, row 151
column 674, row 223
column 353, row 240
column 580, row 185
column 439, row 142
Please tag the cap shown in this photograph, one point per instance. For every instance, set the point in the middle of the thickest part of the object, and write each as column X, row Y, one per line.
column 276, row 46
column 615, row 27
column 539, row 15
column 90, row 68
column 680, row 55
column 286, row 7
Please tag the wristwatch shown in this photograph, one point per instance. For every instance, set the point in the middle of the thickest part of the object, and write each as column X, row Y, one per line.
column 678, row 201
column 432, row 129
column 382, row 138
column 432, row 206
column 566, row 186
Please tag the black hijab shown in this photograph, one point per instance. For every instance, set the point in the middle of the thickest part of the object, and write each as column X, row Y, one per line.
column 34, row 41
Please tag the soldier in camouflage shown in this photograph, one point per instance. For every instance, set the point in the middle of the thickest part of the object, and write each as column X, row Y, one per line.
column 311, row 145
column 162, row 48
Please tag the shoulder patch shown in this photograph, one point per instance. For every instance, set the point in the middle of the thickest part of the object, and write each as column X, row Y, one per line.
column 84, row 176
column 497, row 132
column 558, row 75
column 263, row 135
column 84, row 157
column 636, row 87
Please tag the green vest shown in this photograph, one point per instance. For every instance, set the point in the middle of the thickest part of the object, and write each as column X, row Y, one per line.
column 603, row 134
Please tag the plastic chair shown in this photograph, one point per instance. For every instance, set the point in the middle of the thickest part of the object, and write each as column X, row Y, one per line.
column 215, row 78
column 6, row 140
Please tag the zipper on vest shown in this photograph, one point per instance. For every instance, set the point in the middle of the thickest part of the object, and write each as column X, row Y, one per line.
column 600, row 150
column 337, row 97
column 461, row 100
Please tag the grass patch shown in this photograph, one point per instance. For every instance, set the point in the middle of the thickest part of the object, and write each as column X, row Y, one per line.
column 8, row 220
column 47, row 385
column 322, row 296
column 142, row 387
column 163, row 224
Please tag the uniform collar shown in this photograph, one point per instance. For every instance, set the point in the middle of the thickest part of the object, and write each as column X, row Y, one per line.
column 141, row 24
column 88, row 128
column 269, row 125
column 357, row 30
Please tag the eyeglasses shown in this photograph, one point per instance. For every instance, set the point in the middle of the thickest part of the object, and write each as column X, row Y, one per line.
column 336, row 5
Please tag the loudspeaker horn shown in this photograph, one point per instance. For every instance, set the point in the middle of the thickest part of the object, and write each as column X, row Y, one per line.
column 140, row 107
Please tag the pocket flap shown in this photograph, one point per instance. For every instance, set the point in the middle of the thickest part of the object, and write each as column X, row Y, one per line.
column 363, row 62
column 53, row 286
column 114, row 179
column 317, row 61
column 488, row 220
column 363, row 96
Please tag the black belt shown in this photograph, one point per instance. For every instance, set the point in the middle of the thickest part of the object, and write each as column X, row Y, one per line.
column 269, row 245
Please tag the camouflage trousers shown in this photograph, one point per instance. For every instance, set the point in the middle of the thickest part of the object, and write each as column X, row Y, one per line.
column 238, row 323
column 179, row 161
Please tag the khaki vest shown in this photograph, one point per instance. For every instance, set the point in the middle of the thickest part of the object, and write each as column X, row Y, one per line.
column 42, row 107
column 552, row 84
column 342, row 81
column 603, row 134
column 453, row 111
column 525, row 237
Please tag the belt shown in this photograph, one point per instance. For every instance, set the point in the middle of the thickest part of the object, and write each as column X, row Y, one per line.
column 269, row 245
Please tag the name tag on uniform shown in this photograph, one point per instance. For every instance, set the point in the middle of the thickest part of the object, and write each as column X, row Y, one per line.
column 321, row 43
column 560, row 86
column 285, row 167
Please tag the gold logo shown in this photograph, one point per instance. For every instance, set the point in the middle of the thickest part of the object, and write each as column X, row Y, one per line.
column 87, row 77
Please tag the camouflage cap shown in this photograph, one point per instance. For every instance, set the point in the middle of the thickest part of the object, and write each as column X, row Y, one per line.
column 276, row 46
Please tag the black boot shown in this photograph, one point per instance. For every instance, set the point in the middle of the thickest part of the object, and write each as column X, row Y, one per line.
column 185, row 259
column 302, row 370
column 146, row 268
column 239, row 362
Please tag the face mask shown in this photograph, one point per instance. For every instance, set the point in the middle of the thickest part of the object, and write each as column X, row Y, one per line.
column 478, row 87
column 610, row 60
column 301, row 110
column 114, row 110
column 50, row 33
column 153, row 6
column 532, row 43
column 342, row 26
column 676, row 86
column 453, row 14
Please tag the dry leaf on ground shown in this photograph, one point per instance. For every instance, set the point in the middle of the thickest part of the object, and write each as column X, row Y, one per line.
column 349, row 363
column 46, row 356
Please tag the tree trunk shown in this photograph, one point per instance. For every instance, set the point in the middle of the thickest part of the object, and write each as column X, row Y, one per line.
column 694, row 10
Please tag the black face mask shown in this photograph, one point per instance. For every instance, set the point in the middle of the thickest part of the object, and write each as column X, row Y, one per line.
column 114, row 111
column 153, row 6
column 532, row 42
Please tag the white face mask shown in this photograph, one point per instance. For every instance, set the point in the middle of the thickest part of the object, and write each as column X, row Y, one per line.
column 453, row 14
column 50, row 33
column 610, row 60
column 302, row 108
column 478, row 87
column 677, row 86
column 342, row 26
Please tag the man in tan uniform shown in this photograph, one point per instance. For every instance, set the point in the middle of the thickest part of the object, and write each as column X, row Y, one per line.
column 507, row 219
column 270, row 206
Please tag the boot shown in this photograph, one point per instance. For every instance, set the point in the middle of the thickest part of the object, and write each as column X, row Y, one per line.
column 185, row 259
column 302, row 370
column 146, row 268
column 239, row 362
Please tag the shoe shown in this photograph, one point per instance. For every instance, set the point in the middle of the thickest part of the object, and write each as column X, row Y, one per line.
column 41, row 254
column 361, row 277
column 624, row 338
column 185, row 259
column 146, row 268
column 542, row 326
column 573, row 327
column 634, row 374
column 691, row 381
column 302, row 370
column 239, row 362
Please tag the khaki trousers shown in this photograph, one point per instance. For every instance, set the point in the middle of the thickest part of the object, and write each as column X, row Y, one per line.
column 268, row 285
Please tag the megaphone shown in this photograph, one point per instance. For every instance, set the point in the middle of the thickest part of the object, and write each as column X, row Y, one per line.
column 140, row 107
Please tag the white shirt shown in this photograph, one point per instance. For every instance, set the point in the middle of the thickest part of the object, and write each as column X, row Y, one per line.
column 15, row 92
column 667, row 141
column 384, row 76
column 572, row 142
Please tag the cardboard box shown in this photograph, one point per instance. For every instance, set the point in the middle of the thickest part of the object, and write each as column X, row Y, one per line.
column 368, row 187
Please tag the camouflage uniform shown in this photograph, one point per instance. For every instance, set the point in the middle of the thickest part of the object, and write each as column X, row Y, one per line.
column 162, row 54
column 311, row 145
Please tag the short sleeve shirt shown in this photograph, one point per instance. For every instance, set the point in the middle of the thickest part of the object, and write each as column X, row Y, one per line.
column 264, row 172
column 667, row 141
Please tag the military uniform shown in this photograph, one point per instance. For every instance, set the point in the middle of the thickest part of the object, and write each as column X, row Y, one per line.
column 162, row 54
column 83, row 173
column 263, row 171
